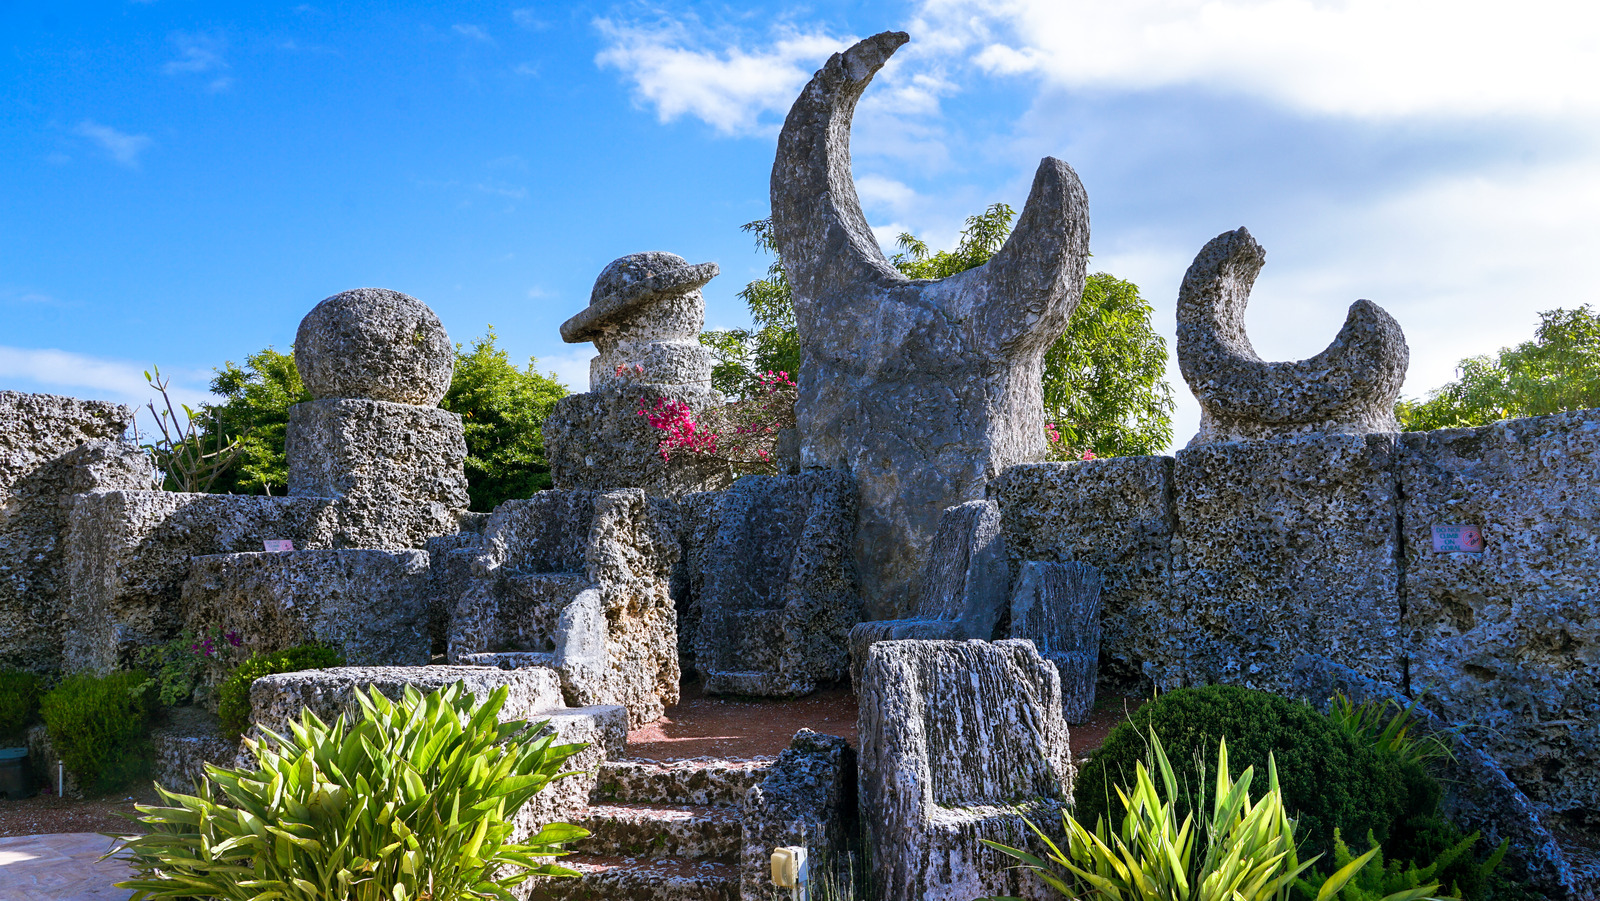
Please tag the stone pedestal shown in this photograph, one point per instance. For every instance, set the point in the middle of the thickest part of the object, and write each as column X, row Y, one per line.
column 599, row 441
column 395, row 470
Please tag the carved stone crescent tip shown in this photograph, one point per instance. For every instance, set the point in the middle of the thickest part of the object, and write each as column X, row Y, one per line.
column 1350, row 388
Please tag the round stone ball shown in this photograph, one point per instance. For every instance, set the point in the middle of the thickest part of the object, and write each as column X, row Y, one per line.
column 375, row 344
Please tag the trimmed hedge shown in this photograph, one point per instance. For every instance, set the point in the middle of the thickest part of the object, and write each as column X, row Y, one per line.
column 19, row 702
column 233, row 698
column 99, row 725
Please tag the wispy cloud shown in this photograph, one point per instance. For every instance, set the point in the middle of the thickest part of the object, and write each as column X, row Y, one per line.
column 571, row 368
column 123, row 148
column 527, row 18
column 199, row 54
column 54, row 371
column 735, row 91
column 474, row 32
column 24, row 296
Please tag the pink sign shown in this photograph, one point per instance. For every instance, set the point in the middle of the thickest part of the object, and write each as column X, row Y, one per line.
column 278, row 545
column 1457, row 539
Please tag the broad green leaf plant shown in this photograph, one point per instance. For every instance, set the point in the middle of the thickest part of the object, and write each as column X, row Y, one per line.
column 414, row 801
column 1250, row 854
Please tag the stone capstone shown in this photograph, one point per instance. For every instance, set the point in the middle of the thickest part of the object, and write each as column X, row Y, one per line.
column 806, row 800
column 370, row 604
column 959, row 741
column 397, row 470
column 779, row 595
column 922, row 390
column 1116, row 515
column 1350, row 388
column 645, row 316
column 599, row 441
column 374, row 344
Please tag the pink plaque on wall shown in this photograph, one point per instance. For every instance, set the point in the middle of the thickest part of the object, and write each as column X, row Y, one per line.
column 1457, row 539
column 278, row 545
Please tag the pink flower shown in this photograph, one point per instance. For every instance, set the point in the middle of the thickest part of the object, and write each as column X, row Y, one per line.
column 1087, row 455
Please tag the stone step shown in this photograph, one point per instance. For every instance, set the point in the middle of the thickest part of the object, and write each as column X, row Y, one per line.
column 659, row 830
column 640, row 879
column 698, row 782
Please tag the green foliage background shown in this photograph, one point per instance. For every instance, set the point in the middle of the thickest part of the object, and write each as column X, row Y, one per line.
column 19, row 702
column 233, row 695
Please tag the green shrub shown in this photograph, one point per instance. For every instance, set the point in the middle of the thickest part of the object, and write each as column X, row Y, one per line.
column 1249, row 851
column 99, row 727
column 1386, row 725
column 19, row 703
column 1382, row 881
column 233, row 697
column 414, row 801
column 1330, row 779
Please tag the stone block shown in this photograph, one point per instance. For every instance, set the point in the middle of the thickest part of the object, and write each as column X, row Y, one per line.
column 1116, row 515
column 806, row 800
column 599, row 441
column 35, row 519
column 780, row 594
column 182, row 746
column 395, row 469
column 1507, row 641
column 370, row 604
column 1283, row 548
column 1057, row 607
column 959, row 740
column 128, row 555
column 37, row 428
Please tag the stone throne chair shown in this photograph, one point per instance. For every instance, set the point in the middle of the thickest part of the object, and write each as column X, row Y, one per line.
column 576, row 581
column 962, row 591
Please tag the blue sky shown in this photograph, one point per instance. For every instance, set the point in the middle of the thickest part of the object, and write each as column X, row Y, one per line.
column 180, row 182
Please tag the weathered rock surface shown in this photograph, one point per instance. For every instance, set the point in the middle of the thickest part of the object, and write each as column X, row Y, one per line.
column 963, row 590
column 599, row 441
column 645, row 316
column 37, row 428
column 376, row 344
column 128, row 555
column 923, row 390
column 1057, row 607
column 807, row 800
column 1116, row 515
column 958, row 741
column 371, row 604
column 780, row 593
column 1508, row 641
column 583, row 576
column 395, row 469
column 1284, row 548
column 1350, row 388
column 182, row 746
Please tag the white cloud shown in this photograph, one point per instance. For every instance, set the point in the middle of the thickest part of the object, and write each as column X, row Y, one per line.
column 52, row 371
column 528, row 19
column 571, row 367
column 733, row 90
column 122, row 147
column 474, row 32
column 197, row 54
column 1364, row 58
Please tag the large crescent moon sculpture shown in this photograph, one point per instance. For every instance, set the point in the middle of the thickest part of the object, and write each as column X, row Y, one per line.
column 923, row 389
column 1350, row 388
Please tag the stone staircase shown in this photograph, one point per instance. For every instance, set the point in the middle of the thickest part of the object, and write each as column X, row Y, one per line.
column 661, row 832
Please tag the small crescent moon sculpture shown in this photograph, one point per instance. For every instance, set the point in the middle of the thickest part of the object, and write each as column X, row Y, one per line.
column 1350, row 388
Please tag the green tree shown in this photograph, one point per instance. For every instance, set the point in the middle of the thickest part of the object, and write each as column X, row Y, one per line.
column 502, row 409
column 1104, row 379
column 1558, row 370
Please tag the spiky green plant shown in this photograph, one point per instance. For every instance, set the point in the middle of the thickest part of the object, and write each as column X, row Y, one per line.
column 1386, row 725
column 414, row 801
column 1250, row 854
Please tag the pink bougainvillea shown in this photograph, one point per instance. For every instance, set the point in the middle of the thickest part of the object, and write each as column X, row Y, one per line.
column 742, row 433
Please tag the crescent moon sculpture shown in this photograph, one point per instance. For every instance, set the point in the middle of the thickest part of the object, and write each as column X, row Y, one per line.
column 923, row 389
column 1349, row 388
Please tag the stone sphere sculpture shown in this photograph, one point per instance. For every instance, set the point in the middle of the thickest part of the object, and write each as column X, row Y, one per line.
column 644, row 316
column 375, row 344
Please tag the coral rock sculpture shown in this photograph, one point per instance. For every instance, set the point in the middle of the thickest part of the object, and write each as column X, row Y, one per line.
column 922, row 389
column 1350, row 388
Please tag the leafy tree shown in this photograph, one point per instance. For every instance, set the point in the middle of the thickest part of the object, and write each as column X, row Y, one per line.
column 503, row 409
column 1104, row 385
column 1558, row 370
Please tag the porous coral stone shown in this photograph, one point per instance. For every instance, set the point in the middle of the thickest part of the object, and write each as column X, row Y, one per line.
column 375, row 344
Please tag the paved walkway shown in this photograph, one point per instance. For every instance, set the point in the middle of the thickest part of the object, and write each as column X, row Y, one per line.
column 61, row 867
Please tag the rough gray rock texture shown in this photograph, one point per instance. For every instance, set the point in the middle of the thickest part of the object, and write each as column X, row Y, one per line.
column 128, row 555
column 35, row 521
column 584, row 576
column 396, row 469
column 700, row 781
column 376, row 344
column 372, row 605
column 780, row 592
column 645, row 312
column 190, row 739
column 1478, row 794
column 1115, row 515
column 37, row 428
column 1350, row 388
column 599, row 441
column 962, row 592
column 1284, row 548
column 1057, row 607
column 693, row 518
column 924, row 390
column 807, row 799
column 1508, row 641
column 958, row 739
column 449, row 575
